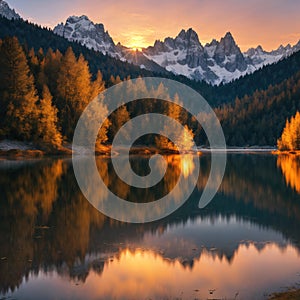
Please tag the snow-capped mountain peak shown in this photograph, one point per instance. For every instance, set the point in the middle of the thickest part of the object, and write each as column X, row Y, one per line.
column 84, row 31
column 7, row 12
column 93, row 36
column 188, row 39
column 260, row 57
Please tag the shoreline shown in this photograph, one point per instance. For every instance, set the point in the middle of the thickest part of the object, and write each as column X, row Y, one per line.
column 291, row 294
column 287, row 152
column 66, row 151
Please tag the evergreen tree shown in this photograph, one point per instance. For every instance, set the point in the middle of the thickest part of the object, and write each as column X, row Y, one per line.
column 51, row 70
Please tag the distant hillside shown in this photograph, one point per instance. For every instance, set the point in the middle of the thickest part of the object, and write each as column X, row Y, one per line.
column 259, row 80
column 259, row 119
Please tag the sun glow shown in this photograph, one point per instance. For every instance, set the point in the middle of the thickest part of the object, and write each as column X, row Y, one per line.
column 137, row 43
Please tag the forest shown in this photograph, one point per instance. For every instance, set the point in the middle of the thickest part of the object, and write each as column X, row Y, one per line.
column 46, row 82
column 44, row 94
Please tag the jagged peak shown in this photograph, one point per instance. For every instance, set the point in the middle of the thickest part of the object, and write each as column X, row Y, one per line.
column 214, row 42
column 228, row 38
column 188, row 37
column 7, row 12
column 260, row 48
column 228, row 35
column 228, row 42
column 190, row 33
column 78, row 18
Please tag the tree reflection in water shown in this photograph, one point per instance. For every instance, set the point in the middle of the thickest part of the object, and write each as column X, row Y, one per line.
column 47, row 225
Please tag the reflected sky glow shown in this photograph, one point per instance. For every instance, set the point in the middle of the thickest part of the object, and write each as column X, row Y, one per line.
column 140, row 274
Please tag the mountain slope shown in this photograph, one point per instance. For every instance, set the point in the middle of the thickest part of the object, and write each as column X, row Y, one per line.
column 85, row 32
column 37, row 37
column 260, row 118
column 7, row 12
column 257, row 118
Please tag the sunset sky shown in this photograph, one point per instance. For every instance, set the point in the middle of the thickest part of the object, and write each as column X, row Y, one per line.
column 139, row 23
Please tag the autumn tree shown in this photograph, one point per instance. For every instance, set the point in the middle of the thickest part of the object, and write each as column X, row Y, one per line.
column 73, row 90
column 118, row 118
column 183, row 139
column 47, row 122
column 290, row 138
column 18, row 95
column 97, row 86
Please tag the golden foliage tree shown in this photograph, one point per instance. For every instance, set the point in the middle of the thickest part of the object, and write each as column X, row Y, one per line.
column 74, row 90
column 183, row 139
column 290, row 138
column 18, row 95
column 47, row 121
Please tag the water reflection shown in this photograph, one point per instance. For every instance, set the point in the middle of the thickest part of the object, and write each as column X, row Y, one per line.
column 53, row 242
column 142, row 274
column 290, row 166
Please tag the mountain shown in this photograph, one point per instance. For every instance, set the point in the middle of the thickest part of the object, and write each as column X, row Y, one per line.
column 217, row 62
column 93, row 36
column 260, row 57
column 214, row 63
column 7, row 12
column 84, row 31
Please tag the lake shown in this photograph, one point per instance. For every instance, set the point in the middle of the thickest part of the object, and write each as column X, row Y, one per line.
column 245, row 244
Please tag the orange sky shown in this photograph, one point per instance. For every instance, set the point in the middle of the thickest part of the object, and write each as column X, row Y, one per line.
column 139, row 23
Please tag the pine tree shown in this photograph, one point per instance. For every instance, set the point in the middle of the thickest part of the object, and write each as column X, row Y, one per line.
column 50, row 72
column 18, row 95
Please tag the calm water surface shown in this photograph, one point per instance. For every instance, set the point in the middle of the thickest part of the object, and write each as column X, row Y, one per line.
column 244, row 245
